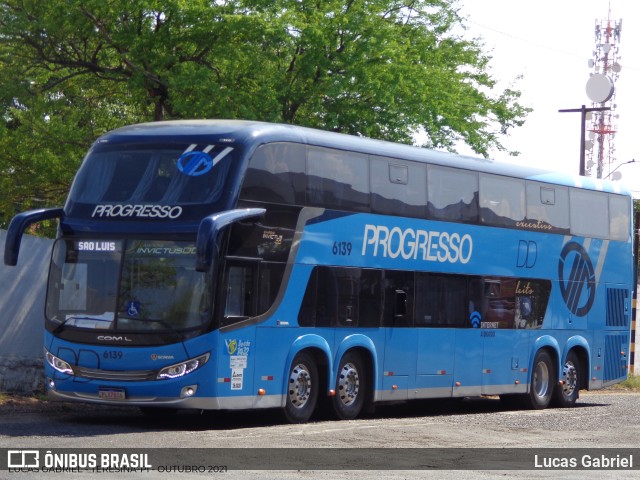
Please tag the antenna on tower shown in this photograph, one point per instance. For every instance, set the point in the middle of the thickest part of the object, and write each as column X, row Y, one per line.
column 605, row 71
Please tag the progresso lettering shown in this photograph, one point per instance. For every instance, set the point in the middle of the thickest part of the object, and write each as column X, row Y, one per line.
column 417, row 244
column 141, row 211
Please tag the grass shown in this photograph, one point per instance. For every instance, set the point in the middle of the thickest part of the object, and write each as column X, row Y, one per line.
column 632, row 383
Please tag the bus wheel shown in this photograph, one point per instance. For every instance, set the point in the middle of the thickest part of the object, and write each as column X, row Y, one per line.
column 542, row 381
column 351, row 387
column 302, row 390
column 565, row 395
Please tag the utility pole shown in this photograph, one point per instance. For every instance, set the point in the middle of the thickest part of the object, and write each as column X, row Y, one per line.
column 583, row 110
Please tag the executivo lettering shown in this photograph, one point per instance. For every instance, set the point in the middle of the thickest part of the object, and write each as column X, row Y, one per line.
column 416, row 244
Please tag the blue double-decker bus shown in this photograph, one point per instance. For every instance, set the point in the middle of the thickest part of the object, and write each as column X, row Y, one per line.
column 244, row 265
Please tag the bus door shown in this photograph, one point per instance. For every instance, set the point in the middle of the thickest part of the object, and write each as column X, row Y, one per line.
column 439, row 310
column 399, row 366
column 240, row 302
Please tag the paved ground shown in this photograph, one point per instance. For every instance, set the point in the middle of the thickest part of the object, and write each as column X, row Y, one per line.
column 600, row 420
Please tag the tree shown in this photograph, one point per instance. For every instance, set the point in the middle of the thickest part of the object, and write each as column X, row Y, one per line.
column 386, row 69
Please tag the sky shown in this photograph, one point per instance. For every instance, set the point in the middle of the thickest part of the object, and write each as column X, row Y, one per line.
column 549, row 43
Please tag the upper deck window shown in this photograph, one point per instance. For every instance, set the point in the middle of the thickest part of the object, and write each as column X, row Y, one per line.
column 453, row 194
column 547, row 207
column 589, row 213
column 398, row 187
column 619, row 217
column 502, row 200
column 337, row 179
column 169, row 174
column 276, row 174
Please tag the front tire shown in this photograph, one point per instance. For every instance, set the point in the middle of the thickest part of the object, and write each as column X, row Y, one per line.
column 565, row 395
column 543, row 380
column 351, row 387
column 302, row 389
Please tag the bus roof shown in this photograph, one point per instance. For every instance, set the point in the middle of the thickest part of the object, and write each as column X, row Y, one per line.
column 254, row 133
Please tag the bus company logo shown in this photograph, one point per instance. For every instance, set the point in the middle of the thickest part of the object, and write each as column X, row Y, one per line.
column 416, row 244
column 232, row 346
column 195, row 163
column 578, row 288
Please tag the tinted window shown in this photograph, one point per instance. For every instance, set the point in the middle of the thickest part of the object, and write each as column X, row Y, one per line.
column 239, row 298
column 441, row 300
column 547, row 208
column 163, row 174
column 308, row 307
column 337, row 179
column 502, row 200
column 453, row 194
column 589, row 213
column 276, row 174
column 619, row 210
column 398, row 187
column 269, row 281
column 349, row 297
column 510, row 303
column 398, row 299
column 371, row 296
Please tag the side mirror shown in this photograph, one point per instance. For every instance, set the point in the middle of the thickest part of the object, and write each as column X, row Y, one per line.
column 18, row 225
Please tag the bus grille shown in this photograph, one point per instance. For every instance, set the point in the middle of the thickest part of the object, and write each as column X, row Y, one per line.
column 617, row 315
column 115, row 375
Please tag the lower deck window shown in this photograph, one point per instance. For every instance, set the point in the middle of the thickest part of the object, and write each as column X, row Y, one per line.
column 339, row 296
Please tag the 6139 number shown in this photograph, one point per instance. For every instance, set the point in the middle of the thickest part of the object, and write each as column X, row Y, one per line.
column 342, row 248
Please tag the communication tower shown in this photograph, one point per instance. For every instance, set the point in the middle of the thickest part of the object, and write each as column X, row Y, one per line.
column 605, row 71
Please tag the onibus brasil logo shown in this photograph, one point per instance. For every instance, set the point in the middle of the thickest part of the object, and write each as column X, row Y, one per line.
column 577, row 279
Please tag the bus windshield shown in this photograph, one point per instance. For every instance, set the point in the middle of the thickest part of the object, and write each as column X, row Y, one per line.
column 133, row 285
column 148, row 181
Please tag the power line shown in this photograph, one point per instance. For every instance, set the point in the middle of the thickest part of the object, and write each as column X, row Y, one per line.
column 541, row 45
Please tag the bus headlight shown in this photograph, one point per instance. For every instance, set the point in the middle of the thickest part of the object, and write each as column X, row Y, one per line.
column 182, row 369
column 57, row 363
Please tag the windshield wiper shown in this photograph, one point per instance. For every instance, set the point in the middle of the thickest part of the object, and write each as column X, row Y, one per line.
column 164, row 323
column 60, row 327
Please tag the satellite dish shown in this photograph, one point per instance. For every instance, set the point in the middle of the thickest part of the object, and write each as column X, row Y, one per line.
column 590, row 164
column 616, row 67
column 599, row 88
column 616, row 176
column 606, row 47
column 588, row 145
column 591, row 63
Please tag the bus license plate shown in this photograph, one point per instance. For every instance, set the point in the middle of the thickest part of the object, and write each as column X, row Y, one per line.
column 112, row 393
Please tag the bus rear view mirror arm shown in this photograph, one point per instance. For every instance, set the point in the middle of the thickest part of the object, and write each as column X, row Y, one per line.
column 17, row 227
column 210, row 228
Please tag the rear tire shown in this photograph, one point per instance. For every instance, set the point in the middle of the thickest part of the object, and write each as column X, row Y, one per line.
column 302, row 389
column 543, row 381
column 351, row 387
column 565, row 395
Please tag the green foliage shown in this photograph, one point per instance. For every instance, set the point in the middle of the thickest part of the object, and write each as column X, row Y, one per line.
column 70, row 71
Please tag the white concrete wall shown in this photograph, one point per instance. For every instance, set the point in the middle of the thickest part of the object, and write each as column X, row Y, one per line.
column 22, row 292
